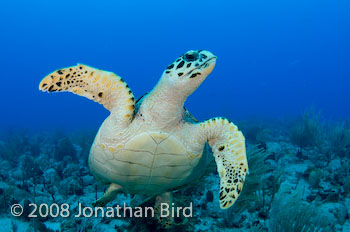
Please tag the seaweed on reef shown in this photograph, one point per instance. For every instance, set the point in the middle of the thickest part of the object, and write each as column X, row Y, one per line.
column 342, row 176
column 5, row 200
column 31, row 172
column 339, row 140
column 64, row 148
column 36, row 143
column 84, row 140
column 307, row 131
column 15, row 144
column 71, row 186
column 254, row 132
column 257, row 228
column 290, row 214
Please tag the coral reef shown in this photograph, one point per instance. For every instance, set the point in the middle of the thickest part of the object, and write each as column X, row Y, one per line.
column 299, row 180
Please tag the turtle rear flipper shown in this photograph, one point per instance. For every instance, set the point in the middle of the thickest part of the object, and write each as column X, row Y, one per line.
column 108, row 196
column 167, row 199
column 100, row 86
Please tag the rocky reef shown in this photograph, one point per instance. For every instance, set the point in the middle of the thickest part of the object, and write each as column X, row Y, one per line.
column 299, row 180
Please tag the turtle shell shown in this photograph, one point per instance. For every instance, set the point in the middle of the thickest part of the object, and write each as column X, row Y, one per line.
column 150, row 163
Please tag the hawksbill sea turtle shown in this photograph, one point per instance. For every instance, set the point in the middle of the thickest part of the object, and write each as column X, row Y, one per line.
column 154, row 146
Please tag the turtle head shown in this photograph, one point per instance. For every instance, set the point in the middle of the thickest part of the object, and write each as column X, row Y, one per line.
column 188, row 71
column 165, row 104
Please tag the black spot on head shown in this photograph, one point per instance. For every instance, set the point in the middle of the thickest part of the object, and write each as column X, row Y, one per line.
column 59, row 72
column 51, row 87
column 188, row 65
column 170, row 66
column 59, row 84
column 68, row 82
column 194, row 75
column 238, row 191
column 196, row 64
column 180, row 74
column 67, row 75
column 191, row 56
column 100, row 94
column 80, row 67
column 204, row 56
column 167, row 72
column 178, row 60
column 221, row 148
column 180, row 64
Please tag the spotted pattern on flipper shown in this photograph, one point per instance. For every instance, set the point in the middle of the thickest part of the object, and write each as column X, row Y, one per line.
column 100, row 86
column 228, row 145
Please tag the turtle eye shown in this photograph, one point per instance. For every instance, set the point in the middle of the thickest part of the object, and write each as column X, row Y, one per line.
column 191, row 56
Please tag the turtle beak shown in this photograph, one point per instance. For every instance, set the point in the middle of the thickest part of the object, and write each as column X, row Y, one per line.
column 207, row 60
column 209, row 65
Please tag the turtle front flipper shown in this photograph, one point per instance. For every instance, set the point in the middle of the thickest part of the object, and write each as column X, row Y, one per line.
column 108, row 196
column 100, row 86
column 228, row 146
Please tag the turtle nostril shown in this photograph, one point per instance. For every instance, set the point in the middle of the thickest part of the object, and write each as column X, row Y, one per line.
column 191, row 56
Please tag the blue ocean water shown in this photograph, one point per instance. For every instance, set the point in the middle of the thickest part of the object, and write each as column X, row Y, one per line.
column 274, row 58
column 276, row 61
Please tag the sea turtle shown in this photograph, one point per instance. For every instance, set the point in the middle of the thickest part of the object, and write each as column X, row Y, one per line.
column 155, row 146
